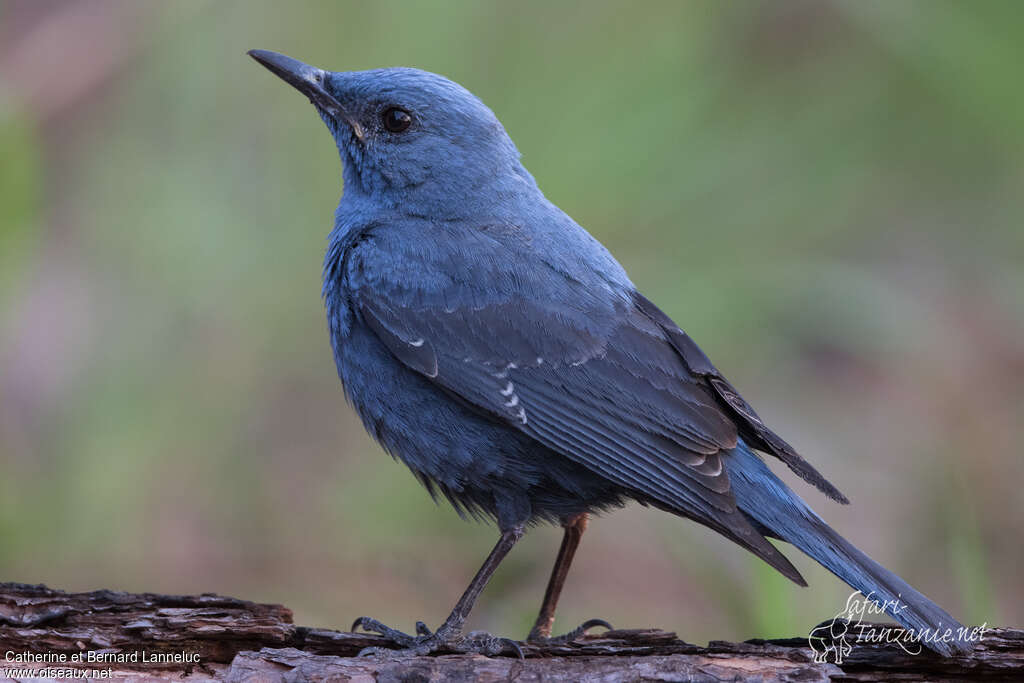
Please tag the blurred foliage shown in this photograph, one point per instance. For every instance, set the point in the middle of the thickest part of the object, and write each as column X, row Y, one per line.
column 826, row 195
column 19, row 196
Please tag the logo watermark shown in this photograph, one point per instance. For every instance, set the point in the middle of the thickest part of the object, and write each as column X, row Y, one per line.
column 832, row 641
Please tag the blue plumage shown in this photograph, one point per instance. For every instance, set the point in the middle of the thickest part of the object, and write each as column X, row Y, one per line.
column 780, row 513
column 498, row 350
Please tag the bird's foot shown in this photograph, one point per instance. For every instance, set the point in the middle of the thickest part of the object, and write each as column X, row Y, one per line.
column 426, row 642
column 538, row 638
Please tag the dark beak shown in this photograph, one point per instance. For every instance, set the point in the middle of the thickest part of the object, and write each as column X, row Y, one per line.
column 307, row 79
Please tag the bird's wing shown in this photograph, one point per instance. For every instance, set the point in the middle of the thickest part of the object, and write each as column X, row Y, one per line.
column 619, row 404
column 751, row 427
column 589, row 375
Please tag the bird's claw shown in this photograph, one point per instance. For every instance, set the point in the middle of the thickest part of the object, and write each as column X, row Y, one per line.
column 483, row 643
column 427, row 642
column 538, row 639
column 395, row 636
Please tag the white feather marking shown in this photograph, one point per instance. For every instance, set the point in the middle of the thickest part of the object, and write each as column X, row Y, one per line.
column 717, row 471
column 507, row 391
column 417, row 342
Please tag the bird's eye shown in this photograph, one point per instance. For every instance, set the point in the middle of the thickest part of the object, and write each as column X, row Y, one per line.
column 396, row 120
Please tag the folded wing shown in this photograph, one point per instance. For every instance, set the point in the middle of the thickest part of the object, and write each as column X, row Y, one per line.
column 621, row 402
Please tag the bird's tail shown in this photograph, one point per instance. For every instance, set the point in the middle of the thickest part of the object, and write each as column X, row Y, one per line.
column 778, row 512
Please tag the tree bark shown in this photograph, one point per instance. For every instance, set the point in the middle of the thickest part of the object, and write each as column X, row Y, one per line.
column 151, row 637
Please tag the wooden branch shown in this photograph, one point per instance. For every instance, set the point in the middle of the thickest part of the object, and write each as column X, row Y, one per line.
column 152, row 637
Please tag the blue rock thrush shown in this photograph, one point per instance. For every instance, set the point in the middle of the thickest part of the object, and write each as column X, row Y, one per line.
column 498, row 350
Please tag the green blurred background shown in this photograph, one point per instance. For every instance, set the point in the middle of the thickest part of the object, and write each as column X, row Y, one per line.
column 828, row 196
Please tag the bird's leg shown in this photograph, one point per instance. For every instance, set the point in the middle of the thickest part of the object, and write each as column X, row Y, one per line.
column 541, row 631
column 449, row 635
column 453, row 624
column 574, row 527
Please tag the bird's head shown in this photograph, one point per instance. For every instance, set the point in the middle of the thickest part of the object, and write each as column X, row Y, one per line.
column 408, row 136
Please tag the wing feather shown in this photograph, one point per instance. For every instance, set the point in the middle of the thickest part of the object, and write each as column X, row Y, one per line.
column 593, row 374
column 622, row 408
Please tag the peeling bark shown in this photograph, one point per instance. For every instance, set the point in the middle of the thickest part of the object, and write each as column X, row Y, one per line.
column 209, row 637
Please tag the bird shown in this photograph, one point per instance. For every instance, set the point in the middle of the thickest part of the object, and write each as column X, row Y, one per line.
column 498, row 350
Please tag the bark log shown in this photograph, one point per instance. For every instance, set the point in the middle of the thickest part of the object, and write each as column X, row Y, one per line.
column 151, row 637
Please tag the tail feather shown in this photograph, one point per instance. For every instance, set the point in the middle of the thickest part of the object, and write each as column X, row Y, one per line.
column 780, row 513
